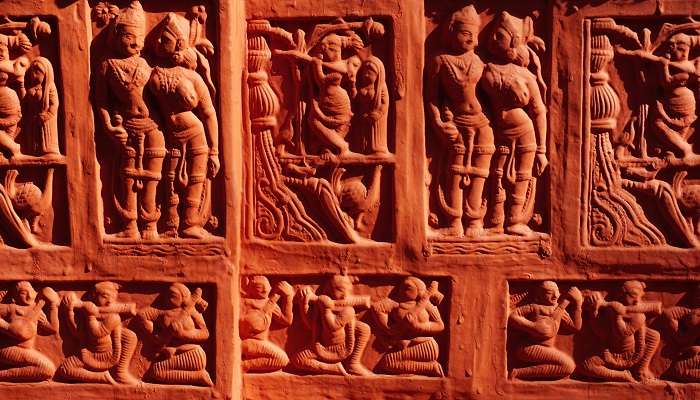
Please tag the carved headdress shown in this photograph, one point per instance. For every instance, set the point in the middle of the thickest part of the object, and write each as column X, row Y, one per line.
column 132, row 17
column 465, row 16
column 191, row 48
column 523, row 44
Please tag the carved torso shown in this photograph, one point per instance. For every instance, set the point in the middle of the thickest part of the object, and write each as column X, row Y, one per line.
column 508, row 87
column 459, row 76
column 256, row 321
column 127, row 79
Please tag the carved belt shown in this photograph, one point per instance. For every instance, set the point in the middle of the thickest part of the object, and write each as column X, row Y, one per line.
column 473, row 121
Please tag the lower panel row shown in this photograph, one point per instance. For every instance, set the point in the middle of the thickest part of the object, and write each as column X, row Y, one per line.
column 595, row 331
column 106, row 332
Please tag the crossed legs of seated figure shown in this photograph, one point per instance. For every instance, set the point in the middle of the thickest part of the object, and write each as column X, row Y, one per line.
column 25, row 365
column 617, row 367
column 418, row 357
column 186, row 366
column 547, row 363
column 262, row 356
column 310, row 360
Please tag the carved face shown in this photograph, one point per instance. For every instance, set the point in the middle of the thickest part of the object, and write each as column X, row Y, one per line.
column 259, row 288
column 129, row 40
column 409, row 291
column 167, row 44
column 36, row 75
column 354, row 64
column 341, row 287
column 679, row 47
column 549, row 294
column 105, row 297
column 175, row 297
column 633, row 295
column 331, row 47
column 369, row 74
column 500, row 42
column 4, row 76
column 25, row 294
column 464, row 37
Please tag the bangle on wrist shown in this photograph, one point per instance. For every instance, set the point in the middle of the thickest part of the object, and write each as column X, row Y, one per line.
column 541, row 150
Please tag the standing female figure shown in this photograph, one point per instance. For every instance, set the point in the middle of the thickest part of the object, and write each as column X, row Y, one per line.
column 40, row 104
column 372, row 103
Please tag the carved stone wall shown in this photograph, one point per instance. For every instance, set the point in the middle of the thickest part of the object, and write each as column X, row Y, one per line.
column 367, row 199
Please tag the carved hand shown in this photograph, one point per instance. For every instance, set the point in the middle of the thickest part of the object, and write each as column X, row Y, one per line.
column 51, row 296
column 618, row 308
column 285, row 288
column 213, row 165
column 326, row 302
column 449, row 130
column 68, row 300
column 541, row 163
column 44, row 116
column 575, row 295
column 90, row 308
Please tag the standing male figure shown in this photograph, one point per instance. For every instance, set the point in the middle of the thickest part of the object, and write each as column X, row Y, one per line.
column 461, row 124
column 119, row 95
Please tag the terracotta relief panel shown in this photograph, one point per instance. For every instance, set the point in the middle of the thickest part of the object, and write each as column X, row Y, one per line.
column 639, row 123
column 154, row 95
column 340, row 325
column 621, row 331
column 106, row 332
column 30, row 138
column 487, row 132
column 321, row 116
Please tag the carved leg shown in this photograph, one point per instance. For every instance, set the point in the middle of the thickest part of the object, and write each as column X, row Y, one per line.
column 196, row 169
column 152, row 167
column 651, row 343
column 122, row 373
column 687, row 370
column 474, row 206
column 9, row 144
column 28, row 365
column 354, row 363
column 595, row 368
column 550, row 363
column 499, row 193
column 335, row 137
column 419, row 358
column 307, row 360
column 518, row 218
column 262, row 356
column 186, row 368
column 73, row 369
column 172, row 219
column 455, row 195
column 672, row 138
column 669, row 207
column 127, row 210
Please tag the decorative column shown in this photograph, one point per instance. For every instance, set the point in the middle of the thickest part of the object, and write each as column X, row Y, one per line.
column 279, row 214
column 615, row 218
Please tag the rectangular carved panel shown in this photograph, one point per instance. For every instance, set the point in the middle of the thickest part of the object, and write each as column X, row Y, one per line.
column 107, row 332
column 614, row 331
column 487, row 133
column 30, row 138
column 641, row 159
column 157, row 126
column 321, row 115
column 335, row 326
